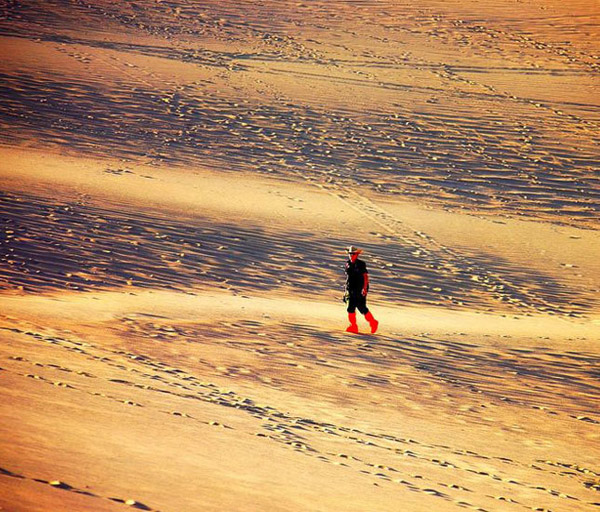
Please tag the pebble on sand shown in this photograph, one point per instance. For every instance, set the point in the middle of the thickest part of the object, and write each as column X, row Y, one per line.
column 59, row 485
column 136, row 504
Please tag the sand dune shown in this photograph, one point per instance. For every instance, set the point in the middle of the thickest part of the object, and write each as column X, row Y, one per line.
column 178, row 183
column 400, row 416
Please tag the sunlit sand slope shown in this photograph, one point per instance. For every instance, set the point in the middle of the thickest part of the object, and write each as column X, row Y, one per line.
column 262, row 407
column 486, row 107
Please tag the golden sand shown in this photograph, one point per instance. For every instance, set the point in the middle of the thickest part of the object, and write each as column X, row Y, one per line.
column 179, row 181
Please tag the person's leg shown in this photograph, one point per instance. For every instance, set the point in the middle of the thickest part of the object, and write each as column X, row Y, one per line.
column 362, row 307
column 353, row 327
column 372, row 322
column 361, row 304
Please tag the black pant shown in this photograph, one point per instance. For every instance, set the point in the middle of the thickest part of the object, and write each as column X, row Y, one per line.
column 357, row 300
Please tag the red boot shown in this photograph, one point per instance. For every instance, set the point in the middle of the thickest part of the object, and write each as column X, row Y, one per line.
column 372, row 322
column 353, row 327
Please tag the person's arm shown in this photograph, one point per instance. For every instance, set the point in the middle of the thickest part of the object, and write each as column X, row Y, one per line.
column 365, row 284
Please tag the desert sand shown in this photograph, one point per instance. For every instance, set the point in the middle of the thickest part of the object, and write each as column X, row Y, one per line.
column 179, row 181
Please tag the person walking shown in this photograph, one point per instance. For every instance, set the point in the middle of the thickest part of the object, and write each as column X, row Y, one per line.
column 357, row 287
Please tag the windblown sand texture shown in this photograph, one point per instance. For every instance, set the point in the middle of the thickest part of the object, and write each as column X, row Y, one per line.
column 178, row 182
